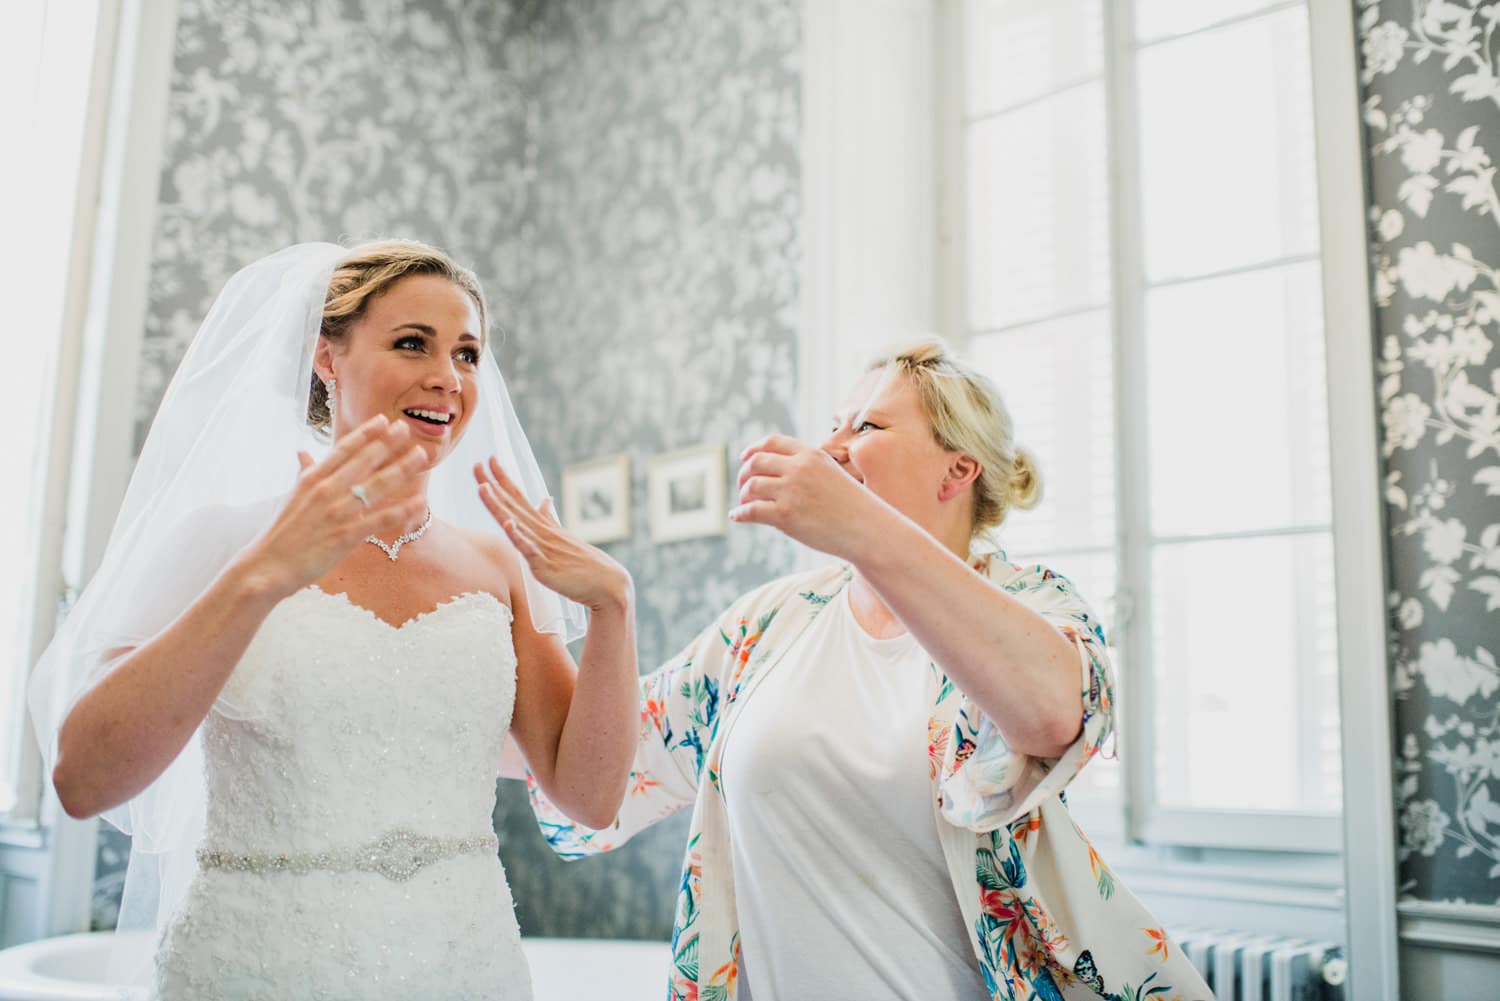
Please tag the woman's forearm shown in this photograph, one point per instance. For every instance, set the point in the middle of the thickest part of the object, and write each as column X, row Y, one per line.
column 598, row 739
column 1019, row 669
column 124, row 732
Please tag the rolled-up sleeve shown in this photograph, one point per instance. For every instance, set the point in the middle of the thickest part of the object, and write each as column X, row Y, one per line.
column 986, row 784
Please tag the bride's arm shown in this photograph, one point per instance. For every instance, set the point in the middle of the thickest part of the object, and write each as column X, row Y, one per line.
column 576, row 726
column 124, row 731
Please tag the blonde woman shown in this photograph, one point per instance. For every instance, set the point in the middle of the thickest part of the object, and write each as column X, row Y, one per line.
column 292, row 687
column 873, row 753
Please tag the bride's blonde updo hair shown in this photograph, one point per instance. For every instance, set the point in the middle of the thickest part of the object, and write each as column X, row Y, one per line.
column 368, row 270
column 967, row 415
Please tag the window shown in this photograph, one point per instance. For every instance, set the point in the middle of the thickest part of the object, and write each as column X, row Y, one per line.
column 47, row 56
column 1141, row 276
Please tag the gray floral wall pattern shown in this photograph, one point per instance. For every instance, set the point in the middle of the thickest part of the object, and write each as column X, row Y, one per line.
column 305, row 120
column 625, row 180
column 1432, row 118
column 657, row 311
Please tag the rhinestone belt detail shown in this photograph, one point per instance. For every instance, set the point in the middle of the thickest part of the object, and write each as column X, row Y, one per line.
column 397, row 855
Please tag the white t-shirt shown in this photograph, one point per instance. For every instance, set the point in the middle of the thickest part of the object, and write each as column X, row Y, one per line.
column 840, row 884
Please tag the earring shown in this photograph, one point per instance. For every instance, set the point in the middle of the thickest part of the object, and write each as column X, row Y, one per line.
column 330, row 386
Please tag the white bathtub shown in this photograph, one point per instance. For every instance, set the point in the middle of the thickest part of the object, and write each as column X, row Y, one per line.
column 72, row 968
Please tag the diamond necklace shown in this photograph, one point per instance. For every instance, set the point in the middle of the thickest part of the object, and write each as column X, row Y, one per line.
column 412, row 536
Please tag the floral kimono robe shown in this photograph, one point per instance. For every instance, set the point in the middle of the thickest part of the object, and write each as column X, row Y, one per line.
column 1049, row 919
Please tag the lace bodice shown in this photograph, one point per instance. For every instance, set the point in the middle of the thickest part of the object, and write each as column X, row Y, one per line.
column 348, row 726
column 348, row 853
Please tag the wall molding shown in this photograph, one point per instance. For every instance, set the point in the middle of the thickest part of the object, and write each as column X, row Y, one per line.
column 1470, row 927
column 1369, row 836
column 1263, row 892
column 1234, row 886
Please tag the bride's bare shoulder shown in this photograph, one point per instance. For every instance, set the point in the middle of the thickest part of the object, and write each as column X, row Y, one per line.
column 493, row 552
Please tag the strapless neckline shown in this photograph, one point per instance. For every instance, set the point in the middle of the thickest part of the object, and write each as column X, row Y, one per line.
column 480, row 598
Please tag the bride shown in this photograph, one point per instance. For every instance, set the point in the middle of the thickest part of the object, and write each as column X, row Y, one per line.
column 292, row 686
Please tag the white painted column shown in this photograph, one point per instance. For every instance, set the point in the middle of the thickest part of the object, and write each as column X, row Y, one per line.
column 869, row 191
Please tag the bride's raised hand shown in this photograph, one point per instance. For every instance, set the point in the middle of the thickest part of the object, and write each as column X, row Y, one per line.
column 559, row 560
column 362, row 488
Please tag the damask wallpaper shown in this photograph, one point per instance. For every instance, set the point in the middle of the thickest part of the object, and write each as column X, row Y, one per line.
column 305, row 120
column 1432, row 113
column 624, row 177
column 657, row 310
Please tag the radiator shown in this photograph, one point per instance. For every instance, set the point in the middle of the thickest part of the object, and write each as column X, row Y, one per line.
column 1244, row 967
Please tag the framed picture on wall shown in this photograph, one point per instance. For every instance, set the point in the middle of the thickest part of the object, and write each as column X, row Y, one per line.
column 686, row 493
column 596, row 498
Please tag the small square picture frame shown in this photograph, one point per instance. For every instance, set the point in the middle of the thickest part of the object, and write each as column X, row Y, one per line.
column 596, row 499
column 686, row 493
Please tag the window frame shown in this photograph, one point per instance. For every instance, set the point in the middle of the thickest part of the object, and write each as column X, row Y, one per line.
column 92, row 431
column 1138, row 817
column 1347, row 878
column 1148, row 822
column 92, row 426
column 1345, row 897
column 54, row 473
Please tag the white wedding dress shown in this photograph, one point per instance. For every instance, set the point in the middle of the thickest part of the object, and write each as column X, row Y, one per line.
column 348, row 849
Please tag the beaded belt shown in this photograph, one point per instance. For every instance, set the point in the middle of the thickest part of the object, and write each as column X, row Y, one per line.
column 397, row 855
